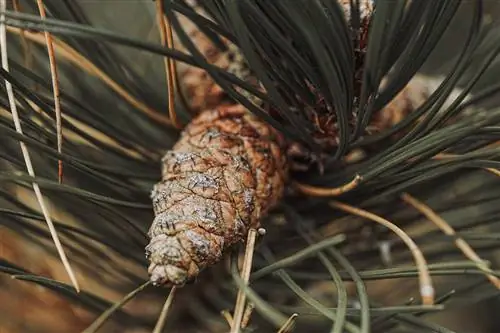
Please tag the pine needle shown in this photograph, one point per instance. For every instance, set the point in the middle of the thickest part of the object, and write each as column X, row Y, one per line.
column 466, row 249
column 170, row 69
column 245, row 274
column 55, row 88
column 298, row 256
column 25, row 152
column 160, row 324
column 426, row 288
column 106, row 314
column 247, row 315
column 73, row 56
column 445, row 155
column 28, row 54
column 329, row 192
column 227, row 316
column 288, row 325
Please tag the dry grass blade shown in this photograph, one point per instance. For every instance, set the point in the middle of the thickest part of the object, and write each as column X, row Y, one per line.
column 329, row 192
column 167, row 39
column 245, row 275
column 25, row 152
column 426, row 288
column 288, row 325
column 164, row 311
column 55, row 88
column 73, row 56
column 106, row 314
column 466, row 249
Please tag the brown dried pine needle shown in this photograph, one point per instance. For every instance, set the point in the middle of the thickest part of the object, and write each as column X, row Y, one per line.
column 426, row 288
column 55, row 88
column 227, row 316
column 444, row 156
column 25, row 151
column 329, row 192
column 245, row 275
column 167, row 39
column 76, row 58
column 441, row 223
column 160, row 324
column 288, row 325
column 247, row 314
column 109, row 312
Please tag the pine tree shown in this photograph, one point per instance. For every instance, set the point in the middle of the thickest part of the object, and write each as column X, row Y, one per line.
column 309, row 119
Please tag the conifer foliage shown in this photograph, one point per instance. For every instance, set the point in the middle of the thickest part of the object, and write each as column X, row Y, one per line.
column 319, row 121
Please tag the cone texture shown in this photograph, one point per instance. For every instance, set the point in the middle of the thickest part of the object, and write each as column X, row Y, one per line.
column 226, row 171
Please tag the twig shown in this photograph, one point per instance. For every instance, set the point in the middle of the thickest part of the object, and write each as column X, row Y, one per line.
column 287, row 326
column 329, row 192
column 70, row 54
column 25, row 152
column 167, row 39
column 55, row 88
column 426, row 288
column 466, row 249
column 163, row 315
column 245, row 275
column 106, row 314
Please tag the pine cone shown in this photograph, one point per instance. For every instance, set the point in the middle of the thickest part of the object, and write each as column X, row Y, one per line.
column 226, row 171
column 221, row 177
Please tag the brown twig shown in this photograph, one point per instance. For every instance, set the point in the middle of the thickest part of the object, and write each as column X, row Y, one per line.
column 55, row 88
column 167, row 39
column 288, row 325
column 245, row 275
column 160, row 324
column 426, row 288
column 25, row 152
column 329, row 192
column 70, row 54
column 466, row 249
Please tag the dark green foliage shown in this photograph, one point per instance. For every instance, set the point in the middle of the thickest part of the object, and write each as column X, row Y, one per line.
column 289, row 45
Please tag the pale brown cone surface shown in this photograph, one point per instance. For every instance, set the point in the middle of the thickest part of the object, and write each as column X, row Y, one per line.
column 225, row 172
column 199, row 89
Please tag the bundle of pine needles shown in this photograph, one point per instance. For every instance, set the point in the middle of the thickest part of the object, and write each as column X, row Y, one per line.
column 389, row 217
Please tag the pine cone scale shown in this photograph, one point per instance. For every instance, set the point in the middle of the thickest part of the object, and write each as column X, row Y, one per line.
column 225, row 172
